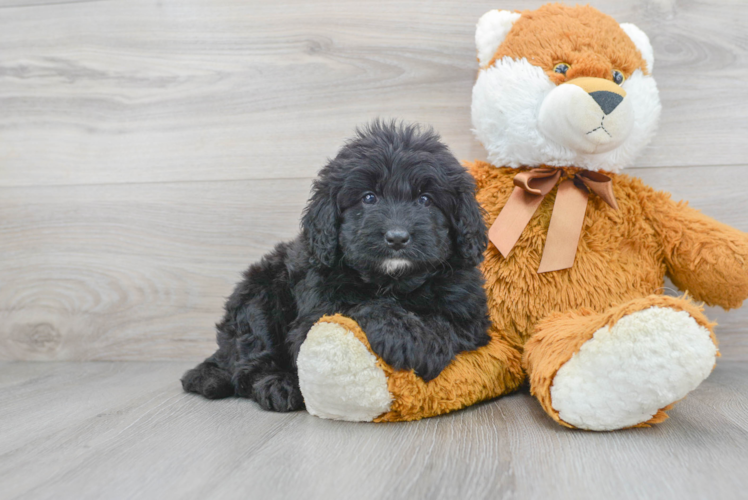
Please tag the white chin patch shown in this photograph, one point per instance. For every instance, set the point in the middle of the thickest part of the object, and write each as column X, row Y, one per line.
column 625, row 374
column 507, row 101
column 395, row 266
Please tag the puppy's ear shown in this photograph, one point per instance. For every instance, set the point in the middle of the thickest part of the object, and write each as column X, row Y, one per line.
column 471, row 236
column 319, row 223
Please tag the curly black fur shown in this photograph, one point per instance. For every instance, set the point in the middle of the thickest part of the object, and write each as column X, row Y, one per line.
column 391, row 183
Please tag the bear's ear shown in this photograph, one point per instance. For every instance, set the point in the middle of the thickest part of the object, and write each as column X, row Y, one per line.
column 641, row 40
column 492, row 28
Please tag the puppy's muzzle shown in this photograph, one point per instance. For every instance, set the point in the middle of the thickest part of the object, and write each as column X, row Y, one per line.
column 588, row 115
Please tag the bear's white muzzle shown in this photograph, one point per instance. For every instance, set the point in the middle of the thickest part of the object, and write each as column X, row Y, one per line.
column 588, row 115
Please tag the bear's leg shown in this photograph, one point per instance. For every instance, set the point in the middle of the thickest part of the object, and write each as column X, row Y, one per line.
column 620, row 368
column 338, row 375
column 341, row 378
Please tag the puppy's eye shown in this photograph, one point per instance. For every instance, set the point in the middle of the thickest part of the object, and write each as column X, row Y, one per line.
column 618, row 77
column 561, row 68
column 424, row 200
column 369, row 198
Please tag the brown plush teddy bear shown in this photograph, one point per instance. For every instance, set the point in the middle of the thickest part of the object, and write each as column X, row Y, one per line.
column 563, row 101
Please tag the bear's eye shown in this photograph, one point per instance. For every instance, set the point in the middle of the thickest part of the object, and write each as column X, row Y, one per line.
column 618, row 77
column 561, row 68
column 369, row 198
column 424, row 200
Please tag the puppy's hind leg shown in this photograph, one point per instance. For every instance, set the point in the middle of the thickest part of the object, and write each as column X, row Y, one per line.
column 275, row 382
column 264, row 376
column 208, row 380
column 274, row 389
column 252, row 360
column 278, row 391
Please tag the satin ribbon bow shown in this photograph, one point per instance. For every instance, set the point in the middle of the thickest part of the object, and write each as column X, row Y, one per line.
column 567, row 219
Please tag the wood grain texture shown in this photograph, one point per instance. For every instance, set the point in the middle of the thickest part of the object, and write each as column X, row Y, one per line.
column 131, row 271
column 125, row 430
column 149, row 151
column 144, row 90
column 140, row 271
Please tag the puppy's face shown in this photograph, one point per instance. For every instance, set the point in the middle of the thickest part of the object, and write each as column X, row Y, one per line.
column 392, row 215
column 394, row 202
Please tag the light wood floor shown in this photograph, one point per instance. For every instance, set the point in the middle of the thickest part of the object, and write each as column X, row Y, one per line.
column 110, row 430
column 151, row 149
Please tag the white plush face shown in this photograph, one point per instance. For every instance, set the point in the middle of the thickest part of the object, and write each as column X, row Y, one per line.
column 523, row 118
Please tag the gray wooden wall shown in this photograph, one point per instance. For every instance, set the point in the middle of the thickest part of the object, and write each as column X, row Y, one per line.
column 150, row 150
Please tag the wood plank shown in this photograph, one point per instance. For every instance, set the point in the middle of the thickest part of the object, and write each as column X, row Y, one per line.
column 140, row 271
column 9, row 4
column 144, row 91
column 94, row 407
column 125, row 430
column 131, row 271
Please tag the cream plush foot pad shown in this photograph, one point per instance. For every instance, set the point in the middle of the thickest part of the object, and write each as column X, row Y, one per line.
column 339, row 377
column 626, row 373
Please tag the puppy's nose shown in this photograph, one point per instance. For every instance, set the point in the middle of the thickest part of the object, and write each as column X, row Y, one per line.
column 397, row 238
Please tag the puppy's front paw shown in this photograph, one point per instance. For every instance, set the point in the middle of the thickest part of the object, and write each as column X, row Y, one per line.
column 278, row 392
column 428, row 366
column 404, row 345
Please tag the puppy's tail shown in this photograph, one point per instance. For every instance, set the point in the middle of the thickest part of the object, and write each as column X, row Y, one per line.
column 208, row 380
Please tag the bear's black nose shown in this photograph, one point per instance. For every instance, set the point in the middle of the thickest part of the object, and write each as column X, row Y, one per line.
column 608, row 101
column 397, row 238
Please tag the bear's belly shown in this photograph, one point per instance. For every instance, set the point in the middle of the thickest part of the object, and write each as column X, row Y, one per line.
column 618, row 258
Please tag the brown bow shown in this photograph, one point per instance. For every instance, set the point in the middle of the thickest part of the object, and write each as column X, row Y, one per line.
column 567, row 219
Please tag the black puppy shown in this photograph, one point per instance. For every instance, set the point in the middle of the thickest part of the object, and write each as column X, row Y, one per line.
column 391, row 237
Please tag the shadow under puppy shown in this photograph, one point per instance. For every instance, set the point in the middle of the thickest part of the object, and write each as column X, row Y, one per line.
column 391, row 237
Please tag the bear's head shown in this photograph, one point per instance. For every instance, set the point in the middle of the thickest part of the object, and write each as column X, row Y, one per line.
column 563, row 86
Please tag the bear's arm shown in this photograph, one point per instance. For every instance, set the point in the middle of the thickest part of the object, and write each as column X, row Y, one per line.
column 705, row 257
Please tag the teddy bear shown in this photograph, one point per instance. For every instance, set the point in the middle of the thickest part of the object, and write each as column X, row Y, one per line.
column 564, row 100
